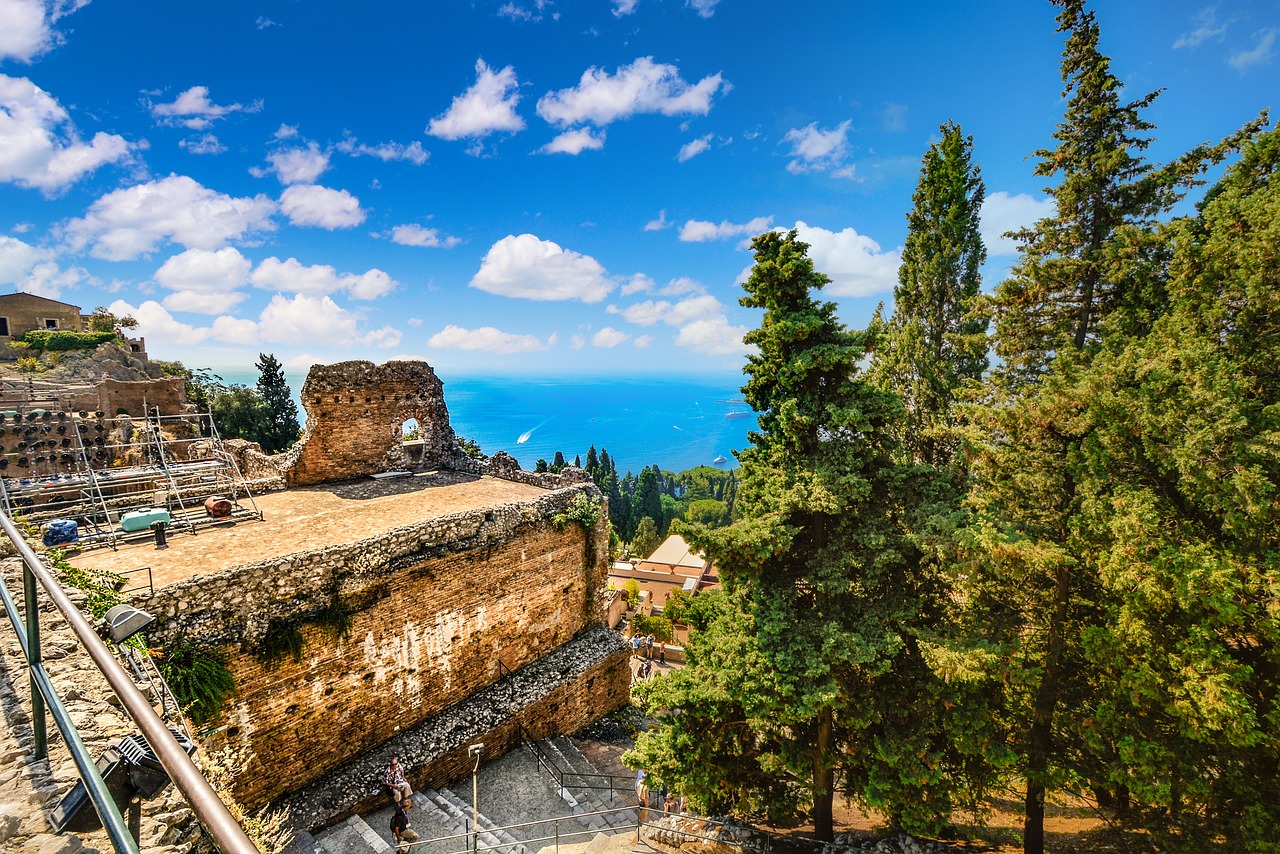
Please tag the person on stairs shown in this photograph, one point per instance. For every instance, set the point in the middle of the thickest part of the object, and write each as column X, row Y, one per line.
column 395, row 781
column 400, row 825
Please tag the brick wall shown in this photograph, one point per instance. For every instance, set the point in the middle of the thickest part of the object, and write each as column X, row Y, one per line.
column 355, row 414
column 435, row 608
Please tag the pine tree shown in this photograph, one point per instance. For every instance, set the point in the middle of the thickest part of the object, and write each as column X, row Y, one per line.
column 936, row 338
column 593, row 464
column 282, row 427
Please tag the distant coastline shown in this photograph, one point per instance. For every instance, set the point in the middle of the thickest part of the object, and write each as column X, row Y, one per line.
column 675, row 422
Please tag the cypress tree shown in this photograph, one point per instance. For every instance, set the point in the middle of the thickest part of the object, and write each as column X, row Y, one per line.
column 281, row 428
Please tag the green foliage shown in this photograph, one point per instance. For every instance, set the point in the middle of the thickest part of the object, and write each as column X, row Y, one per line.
column 470, row 447
column 646, row 539
column 283, row 639
column 659, row 627
column 102, row 320
column 199, row 679
column 280, row 427
column 631, row 588
column 65, row 339
column 708, row 512
column 335, row 619
column 936, row 339
column 101, row 587
column 240, row 413
column 582, row 511
column 29, row 364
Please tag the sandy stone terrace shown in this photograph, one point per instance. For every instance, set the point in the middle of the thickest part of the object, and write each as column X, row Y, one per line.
column 305, row 520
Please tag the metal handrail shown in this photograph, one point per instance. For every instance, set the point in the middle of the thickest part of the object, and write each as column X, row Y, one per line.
column 227, row 834
column 559, row 774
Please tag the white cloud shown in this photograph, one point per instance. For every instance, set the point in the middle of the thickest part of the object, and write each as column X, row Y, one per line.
column 384, row 338
column 854, row 262
column 643, row 341
column 682, row 285
column 296, row 165
column 39, row 146
column 658, row 224
column 680, row 313
column 704, row 8
column 311, row 204
column 574, row 142
column 639, row 283
column 489, row 106
column 1002, row 212
column 47, row 279
column 528, row 268
column 291, row 276
column 17, row 258
column 693, row 148
column 699, row 231
column 305, row 319
column 125, row 224
column 488, row 339
column 577, row 342
column 1207, row 27
column 641, row 87
column 206, row 144
column 1260, row 54
column 235, row 330
column 388, row 151
column 714, row 337
column 204, row 272
column 26, row 26
column 201, row 303
column 608, row 338
column 286, row 131
column 416, row 235
column 814, row 150
column 157, row 325
column 193, row 109
column 624, row 7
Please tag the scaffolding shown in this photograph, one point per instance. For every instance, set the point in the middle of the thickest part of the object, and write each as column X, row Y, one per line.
column 103, row 473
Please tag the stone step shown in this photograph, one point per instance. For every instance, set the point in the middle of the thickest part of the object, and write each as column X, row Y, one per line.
column 581, row 781
column 499, row 841
column 593, row 778
column 353, row 836
column 578, row 798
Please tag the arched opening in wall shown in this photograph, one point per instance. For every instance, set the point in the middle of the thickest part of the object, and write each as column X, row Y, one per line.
column 411, row 431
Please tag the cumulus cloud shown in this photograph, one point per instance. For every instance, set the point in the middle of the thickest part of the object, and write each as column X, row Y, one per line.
column 156, row 324
column 817, row 150
column 608, row 338
column 651, row 312
column 1260, row 54
column 306, row 319
column 296, row 165
column 488, row 339
column 311, row 204
column 34, row 270
column 291, row 276
column 417, row 235
column 528, row 268
column 125, row 224
column 1003, row 213
column 700, row 231
column 643, row 341
column 574, row 142
column 487, row 107
column 658, row 224
column 714, row 337
column 639, row 283
column 388, row 151
column 193, row 109
column 235, row 330
column 17, row 257
column 26, row 26
column 205, row 272
column 198, row 303
column 693, row 148
column 39, row 146
column 624, row 7
column 641, row 87
column 855, row 263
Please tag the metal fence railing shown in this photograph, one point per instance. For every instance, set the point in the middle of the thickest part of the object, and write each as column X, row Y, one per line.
column 226, row 833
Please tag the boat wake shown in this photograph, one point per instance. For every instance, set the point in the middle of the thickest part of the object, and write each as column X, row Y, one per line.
column 524, row 437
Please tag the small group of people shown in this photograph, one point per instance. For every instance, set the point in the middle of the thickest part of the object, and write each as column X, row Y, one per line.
column 401, row 793
column 646, row 799
column 642, row 647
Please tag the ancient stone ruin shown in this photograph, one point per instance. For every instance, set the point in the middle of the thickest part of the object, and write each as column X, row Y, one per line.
column 397, row 600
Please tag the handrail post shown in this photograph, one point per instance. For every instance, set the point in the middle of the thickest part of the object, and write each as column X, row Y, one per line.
column 34, row 659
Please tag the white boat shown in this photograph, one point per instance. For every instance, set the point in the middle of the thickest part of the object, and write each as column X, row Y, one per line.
column 738, row 414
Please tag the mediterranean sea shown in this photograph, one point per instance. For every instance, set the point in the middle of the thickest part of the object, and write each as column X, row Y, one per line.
column 677, row 423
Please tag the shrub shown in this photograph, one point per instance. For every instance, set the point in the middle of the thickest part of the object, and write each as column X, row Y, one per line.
column 65, row 339
column 199, row 679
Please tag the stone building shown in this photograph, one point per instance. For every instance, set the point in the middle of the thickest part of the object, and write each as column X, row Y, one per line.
column 21, row 313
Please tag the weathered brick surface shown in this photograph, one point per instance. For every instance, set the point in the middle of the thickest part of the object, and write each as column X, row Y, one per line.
column 355, row 412
column 436, row 606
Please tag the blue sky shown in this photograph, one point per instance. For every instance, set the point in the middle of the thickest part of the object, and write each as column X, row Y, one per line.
column 533, row 187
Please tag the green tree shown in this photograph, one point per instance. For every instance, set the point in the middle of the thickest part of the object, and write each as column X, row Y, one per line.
column 281, row 429
column 558, row 462
column 102, row 320
column 646, row 538
column 240, row 413
column 834, row 588
column 708, row 512
column 936, row 339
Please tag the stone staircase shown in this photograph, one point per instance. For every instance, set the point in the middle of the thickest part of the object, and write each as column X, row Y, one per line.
column 513, row 789
column 584, row 787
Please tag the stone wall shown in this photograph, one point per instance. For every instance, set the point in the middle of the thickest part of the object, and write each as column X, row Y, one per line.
column 128, row 397
column 433, row 609
column 355, row 415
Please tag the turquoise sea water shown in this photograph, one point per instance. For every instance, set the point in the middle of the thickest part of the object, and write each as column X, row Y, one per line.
column 676, row 423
